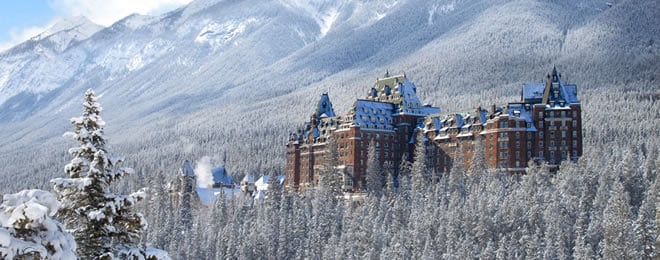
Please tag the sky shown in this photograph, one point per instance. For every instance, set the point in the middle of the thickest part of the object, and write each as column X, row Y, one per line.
column 23, row 19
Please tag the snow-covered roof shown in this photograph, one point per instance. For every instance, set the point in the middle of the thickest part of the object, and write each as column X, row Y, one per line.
column 374, row 114
column 324, row 107
column 533, row 92
column 248, row 178
column 220, row 175
column 262, row 183
column 209, row 195
column 522, row 111
column 566, row 93
column 410, row 103
column 187, row 169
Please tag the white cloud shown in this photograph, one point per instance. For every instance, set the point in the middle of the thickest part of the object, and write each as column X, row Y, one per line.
column 102, row 12
column 18, row 35
column 106, row 12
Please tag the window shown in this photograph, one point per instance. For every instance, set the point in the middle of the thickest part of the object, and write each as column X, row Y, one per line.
column 540, row 153
column 574, row 123
column 541, row 144
column 540, row 124
column 348, row 180
column 518, row 164
column 541, row 114
column 504, row 134
column 504, row 144
column 574, row 134
column 504, row 124
column 541, row 134
column 552, row 143
column 529, row 145
column 503, row 164
column 504, row 155
column 517, row 134
column 552, row 134
column 517, row 144
column 518, row 155
column 563, row 134
column 574, row 143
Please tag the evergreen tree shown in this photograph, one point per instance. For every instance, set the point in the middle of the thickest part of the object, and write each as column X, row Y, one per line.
column 28, row 231
column 103, row 223
column 419, row 169
column 616, row 225
column 375, row 177
column 645, row 228
column 330, row 179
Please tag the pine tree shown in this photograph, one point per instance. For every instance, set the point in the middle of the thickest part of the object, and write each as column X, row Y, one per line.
column 374, row 172
column 103, row 223
column 28, row 231
column 330, row 179
column 419, row 169
column 645, row 228
column 616, row 225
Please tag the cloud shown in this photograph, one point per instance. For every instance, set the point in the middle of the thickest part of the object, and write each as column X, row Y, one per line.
column 102, row 12
column 18, row 35
column 106, row 12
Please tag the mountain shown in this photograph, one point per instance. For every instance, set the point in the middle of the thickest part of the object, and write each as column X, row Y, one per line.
column 234, row 77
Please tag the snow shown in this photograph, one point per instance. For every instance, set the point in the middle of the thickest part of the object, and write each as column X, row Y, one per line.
column 136, row 21
column 440, row 9
column 79, row 183
column 154, row 253
column 248, row 178
column 324, row 108
column 373, row 114
column 4, row 77
column 209, row 195
column 327, row 20
column 218, row 35
column 262, row 183
column 533, row 90
column 30, row 212
column 187, row 169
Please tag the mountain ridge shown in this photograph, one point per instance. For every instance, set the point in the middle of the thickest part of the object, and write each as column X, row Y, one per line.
column 258, row 64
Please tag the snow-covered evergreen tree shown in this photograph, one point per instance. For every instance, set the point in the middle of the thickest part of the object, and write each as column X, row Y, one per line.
column 28, row 230
column 103, row 223
column 375, row 177
column 617, row 235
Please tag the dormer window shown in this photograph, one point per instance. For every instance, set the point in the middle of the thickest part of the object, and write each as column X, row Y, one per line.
column 374, row 93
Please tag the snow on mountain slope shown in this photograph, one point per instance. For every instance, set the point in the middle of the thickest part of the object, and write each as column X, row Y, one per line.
column 221, row 66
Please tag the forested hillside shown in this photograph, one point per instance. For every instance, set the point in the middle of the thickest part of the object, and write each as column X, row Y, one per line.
column 231, row 79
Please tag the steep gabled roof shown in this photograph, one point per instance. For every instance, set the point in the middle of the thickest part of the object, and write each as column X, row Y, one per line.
column 220, row 175
column 324, row 107
column 187, row 169
column 538, row 92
